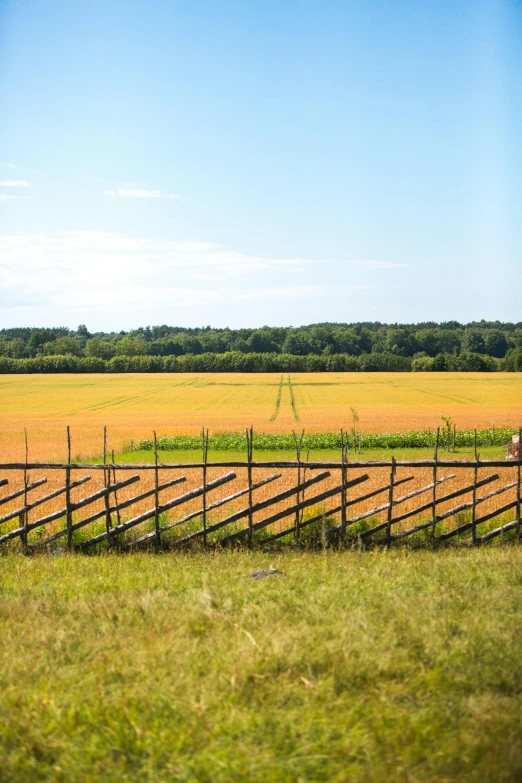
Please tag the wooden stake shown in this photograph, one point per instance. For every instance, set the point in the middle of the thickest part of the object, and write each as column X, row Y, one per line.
column 434, row 493
column 68, row 510
column 115, row 492
column 390, row 503
column 106, row 484
column 304, row 480
column 324, row 540
column 24, row 517
column 249, row 434
column 298, row 442
column 156, row 496
column 475, row 479
column 204, row 453
column 519, row 466
column 344, row 475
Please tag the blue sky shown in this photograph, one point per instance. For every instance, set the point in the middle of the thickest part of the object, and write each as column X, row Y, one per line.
column 242, row 163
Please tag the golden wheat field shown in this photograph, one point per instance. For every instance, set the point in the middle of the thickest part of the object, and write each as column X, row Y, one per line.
column 132, row 405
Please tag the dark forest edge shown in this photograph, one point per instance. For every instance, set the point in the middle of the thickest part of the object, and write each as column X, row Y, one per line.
column 234, row 361
column 484, row 346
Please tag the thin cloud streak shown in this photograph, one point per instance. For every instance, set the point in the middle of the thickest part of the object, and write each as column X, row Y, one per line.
column 135, row 192
column 372, row 264
column 14, row 183
column 14, row 167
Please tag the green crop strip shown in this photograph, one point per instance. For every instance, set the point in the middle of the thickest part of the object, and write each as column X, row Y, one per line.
column 263, row 441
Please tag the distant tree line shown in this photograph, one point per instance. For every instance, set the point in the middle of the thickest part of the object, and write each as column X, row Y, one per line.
column 365, row 347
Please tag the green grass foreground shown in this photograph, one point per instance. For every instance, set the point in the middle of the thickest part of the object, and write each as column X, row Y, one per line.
column 383, row 666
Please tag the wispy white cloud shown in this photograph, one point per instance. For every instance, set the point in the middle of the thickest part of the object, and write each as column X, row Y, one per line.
column 14, row 167
column 8, row 197
column 133, row 191
column 364, row 263
column 14, row 183
column 372, row 264
column 93, row 271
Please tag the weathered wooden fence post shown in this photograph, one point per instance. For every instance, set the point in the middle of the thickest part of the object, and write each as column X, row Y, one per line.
column 344, row 477
column 475, row 479
column 68, row 504
column 298, row 442
column 434, row 478
column 249, row 434
column 157, row 537
column 107, row 486
column 23, row 519
column 519, row 466
column 390, row 502
column 115, row 492
column 204, row 452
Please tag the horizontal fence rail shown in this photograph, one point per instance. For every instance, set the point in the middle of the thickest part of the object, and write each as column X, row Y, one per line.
column 257, row 503
column 422, row 463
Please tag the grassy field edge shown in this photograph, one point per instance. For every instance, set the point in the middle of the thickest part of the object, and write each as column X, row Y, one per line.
column 392, row 666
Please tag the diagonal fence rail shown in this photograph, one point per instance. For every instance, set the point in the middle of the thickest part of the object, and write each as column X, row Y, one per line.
column 328, row 503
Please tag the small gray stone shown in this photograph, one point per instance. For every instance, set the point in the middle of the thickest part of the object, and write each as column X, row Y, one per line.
column 264, row 572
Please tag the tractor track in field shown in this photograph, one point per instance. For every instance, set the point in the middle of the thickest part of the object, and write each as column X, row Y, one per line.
column 275, row 414
column 293, row 403
column 292, row 400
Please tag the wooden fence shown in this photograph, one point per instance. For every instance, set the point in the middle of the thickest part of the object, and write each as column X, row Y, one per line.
column 220, row 504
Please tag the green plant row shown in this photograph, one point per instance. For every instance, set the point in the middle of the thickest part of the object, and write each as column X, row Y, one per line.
column 493, row 436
